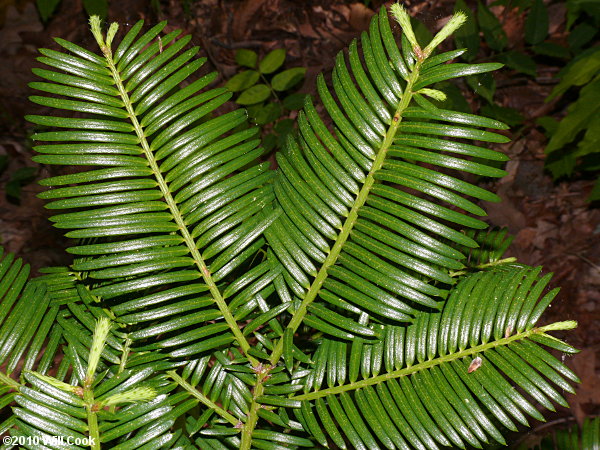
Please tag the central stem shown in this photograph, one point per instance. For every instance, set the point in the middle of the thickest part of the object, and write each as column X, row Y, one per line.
column 426, row 365
column 92, row 418
column 250, row 424
column 353, row 215
column 202, row 398
column 173, row 208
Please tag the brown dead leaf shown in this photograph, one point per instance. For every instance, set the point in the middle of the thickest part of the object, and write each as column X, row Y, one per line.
column 544, row 231
column 556, row 16
column 17, row 23
column 307, row 31
column 513, row 24
column 243, row 16
column 584, row 365
column 360, row 16
column 506, row 214
column 524, row 238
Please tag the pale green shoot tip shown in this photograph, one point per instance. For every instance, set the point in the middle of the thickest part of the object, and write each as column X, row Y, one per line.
column 95, row 23
column 403, row 19
column 455, row 22
column 565, row 325
column 433, row 93
column 112, row 31
column 135, row 395
column 98, row 342
column 56, row 383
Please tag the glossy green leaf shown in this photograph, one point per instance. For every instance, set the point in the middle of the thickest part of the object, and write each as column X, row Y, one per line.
column 288, row 78
column 272, row 61
column 246, row 58
column 255, row 94
column 467, row 36
column 519, row 62
column 351, row 297
column 577, row 73
column 424, row 400
column 494, row 34
column 536, row 24
column 242, row 80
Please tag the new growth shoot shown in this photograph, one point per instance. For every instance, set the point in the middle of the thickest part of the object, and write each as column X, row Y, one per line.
column 403, row 19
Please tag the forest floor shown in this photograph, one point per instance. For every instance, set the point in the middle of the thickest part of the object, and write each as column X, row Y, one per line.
column 553, row 224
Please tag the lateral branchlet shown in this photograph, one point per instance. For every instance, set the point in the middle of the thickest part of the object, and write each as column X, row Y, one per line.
column 403, row 19
column 455, row 22
column 98, row 342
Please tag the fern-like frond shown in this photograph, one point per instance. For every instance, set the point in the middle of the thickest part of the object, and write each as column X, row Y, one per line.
column 26, row 318
column 371, row 225
column 102, row 404
column 226, row 389
column 174, row 198
column 221, row 386
column 75, row 323
column 46, row 409
column 30, row 337
column 350, row 299
column 45, row 326
column 447, row 379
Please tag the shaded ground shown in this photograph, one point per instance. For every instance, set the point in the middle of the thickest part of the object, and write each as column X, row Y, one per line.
column 553, row 224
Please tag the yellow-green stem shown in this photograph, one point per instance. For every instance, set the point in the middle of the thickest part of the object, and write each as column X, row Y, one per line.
column 353, row 215
column 170, row 201
column 429, row 364
column 124, row 355
column 202, row 398
column 8, row 381
column 499, row 262
column 250, row 424
column 92, row 418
